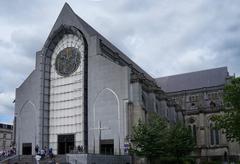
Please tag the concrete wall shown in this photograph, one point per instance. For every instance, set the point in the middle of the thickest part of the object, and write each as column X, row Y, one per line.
column 138, row 110
column 108, row 94
column 27, row 112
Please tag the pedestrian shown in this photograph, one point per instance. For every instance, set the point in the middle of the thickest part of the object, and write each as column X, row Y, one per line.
column 50, row 153
column 36, row 149
column 37, row 157
column 42, row 153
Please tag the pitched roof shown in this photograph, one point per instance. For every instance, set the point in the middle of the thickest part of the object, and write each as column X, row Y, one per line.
column 194, row 80
column 68, row 17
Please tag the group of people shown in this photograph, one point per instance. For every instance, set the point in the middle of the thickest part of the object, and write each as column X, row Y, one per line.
column 7, row 153
column 76, row 150
column 44, row 152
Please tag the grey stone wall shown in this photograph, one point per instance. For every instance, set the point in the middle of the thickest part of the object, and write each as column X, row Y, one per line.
column 108, row 94
column 27, row 113
column 198, row 112
column 6, row 136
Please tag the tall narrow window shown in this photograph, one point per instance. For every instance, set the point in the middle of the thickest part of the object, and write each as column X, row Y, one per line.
column 214, row 135
column 156, row 106
column 217, row 136
column 211, row 134
column 145, row 115
column 190, row 128
column 194, row 133
column 143, row 100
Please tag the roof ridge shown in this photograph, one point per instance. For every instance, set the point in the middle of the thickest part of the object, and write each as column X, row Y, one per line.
column 193, row 80
column 193, row 72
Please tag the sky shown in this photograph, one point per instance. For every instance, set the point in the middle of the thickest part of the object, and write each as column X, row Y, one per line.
column 163, row 37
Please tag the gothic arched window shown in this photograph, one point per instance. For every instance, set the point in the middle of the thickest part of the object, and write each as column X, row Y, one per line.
column 195, row 133
column 214, row 135
column 217, row 137
column 143, row 100
column 157, row 108
column 212, row 104
column 211, row 134
column 193, row 128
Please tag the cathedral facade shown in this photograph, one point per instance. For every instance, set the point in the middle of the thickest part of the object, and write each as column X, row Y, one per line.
column 84, row 92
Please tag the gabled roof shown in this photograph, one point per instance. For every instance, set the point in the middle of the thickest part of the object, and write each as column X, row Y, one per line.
column 68, row 17
column 194, row 80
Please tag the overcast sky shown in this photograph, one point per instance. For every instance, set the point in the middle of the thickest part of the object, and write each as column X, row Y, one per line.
column 163, row 37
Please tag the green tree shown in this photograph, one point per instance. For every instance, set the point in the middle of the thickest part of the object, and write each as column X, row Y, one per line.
column 180, row 141
column 229, row 121
column 150, row 139
column 157, row 139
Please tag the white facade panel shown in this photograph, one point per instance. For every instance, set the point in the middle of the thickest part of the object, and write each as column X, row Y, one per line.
column 66, row 96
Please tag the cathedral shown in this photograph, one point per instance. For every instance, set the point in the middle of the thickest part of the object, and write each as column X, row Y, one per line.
column 84, row 92
column 200, row 95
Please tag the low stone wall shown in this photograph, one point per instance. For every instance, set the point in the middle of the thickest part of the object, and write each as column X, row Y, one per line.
column 98, row 159
column 8, row 159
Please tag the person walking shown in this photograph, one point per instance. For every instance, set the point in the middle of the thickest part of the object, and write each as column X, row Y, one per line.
column 36, row 149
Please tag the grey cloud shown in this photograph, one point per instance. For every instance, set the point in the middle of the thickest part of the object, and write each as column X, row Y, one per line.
column 4, row 44
column 138, row 6
column 26, row 43
column 6, row 103
column 163, row 37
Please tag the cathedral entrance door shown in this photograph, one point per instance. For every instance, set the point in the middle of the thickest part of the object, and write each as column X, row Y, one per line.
column 65, row 143
column 27, row 148
column 107, row 147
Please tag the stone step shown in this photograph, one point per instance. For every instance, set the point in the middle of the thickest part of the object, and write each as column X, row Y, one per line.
column 29, row 159
column 60, row 159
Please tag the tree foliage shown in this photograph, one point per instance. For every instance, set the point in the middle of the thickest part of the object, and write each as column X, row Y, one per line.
column 149, row 139
column 229, row 121
column 157, row 138
column 180, row 141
